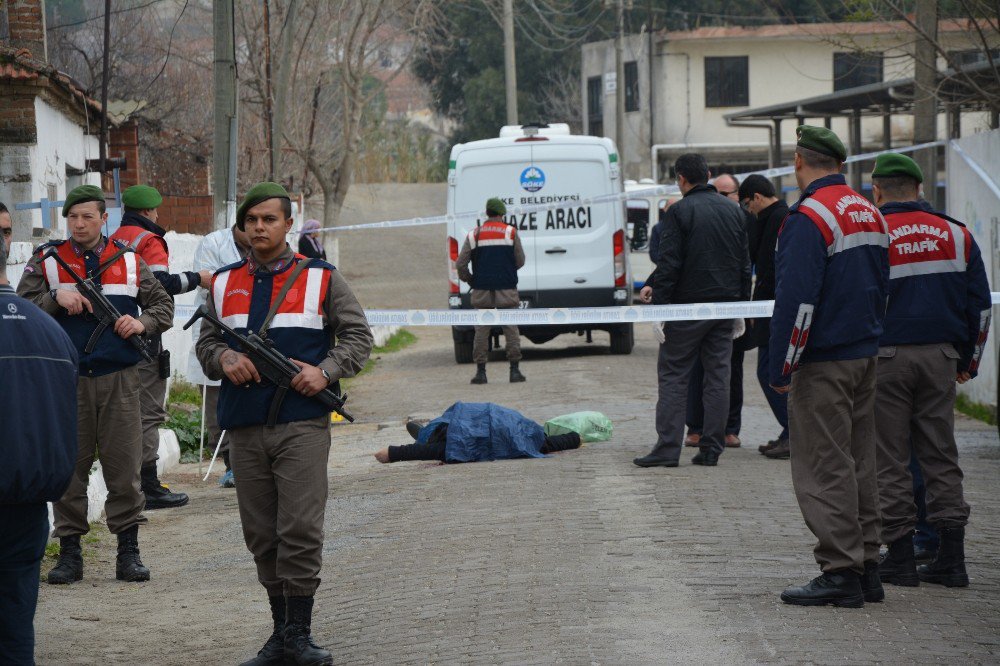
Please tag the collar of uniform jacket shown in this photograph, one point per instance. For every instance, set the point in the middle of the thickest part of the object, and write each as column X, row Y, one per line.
column 825, row 181
column 276, row 266
column 97, row 249
column 6, row 289
column 702, row 188
column 131, row 219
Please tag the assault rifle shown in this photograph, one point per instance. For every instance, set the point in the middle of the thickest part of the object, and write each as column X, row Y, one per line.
column 273, row 366
column 104, row 310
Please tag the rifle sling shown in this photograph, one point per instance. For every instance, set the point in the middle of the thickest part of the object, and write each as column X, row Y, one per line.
column 299, row 267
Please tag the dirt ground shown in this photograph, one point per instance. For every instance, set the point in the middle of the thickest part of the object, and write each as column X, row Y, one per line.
column 579, row 558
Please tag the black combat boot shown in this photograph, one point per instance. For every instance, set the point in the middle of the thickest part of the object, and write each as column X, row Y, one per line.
column 871, row 584
column 69, row 568
column 840, row 588
column 897, row 566
column 515, row 373
column 480, row 377
column 158, row 496
column 273, row 652
column 948, row 568
column 299, row 647
column 129, row 566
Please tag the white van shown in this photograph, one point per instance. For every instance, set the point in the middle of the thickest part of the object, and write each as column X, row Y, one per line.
column 577, row 254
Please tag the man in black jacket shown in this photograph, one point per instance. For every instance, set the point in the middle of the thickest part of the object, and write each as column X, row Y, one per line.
column 38, row 367
column 703, row 259
column 757, row 195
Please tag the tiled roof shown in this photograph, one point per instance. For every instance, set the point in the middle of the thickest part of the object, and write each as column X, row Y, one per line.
column 18, row 65
column 809, row 30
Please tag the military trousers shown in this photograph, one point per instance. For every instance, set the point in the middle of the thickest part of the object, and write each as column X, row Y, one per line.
column 831, row 420
column 281, row 489
column 502, row 299
column 152, row 394
column 915, row 413
column 212, row 429
column 108, row 425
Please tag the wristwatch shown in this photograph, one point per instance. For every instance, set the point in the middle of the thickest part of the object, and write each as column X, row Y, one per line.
column 327, row 376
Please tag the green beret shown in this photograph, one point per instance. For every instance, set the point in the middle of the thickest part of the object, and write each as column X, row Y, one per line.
column 495, row 207
column 894, row 164
column 257, row 194
column 821, row 140
column 82, row 194
column 141, row 197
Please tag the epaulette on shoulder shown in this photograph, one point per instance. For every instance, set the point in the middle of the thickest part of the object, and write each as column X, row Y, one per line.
column 231, row 266
column 121, row 245
column 45, row 246
column 319, row 263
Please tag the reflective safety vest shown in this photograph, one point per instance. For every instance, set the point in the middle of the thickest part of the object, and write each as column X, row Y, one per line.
column 299, row 330
column 151, row 247
column 935, row 273
column 120, row 283
column 493, row 265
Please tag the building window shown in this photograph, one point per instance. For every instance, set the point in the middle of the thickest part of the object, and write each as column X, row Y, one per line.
column 973, row 56
column 595, row 106
column 851, row 70
column 727, row 81
column 631, row 86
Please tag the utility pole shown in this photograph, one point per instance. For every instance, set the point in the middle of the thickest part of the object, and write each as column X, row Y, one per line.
column 925, row 101
column 268, row 95
column 620, row 83
column 509, row 62
column 106, row 72
column 226, row 126
column 281, row 83
column 651, row 55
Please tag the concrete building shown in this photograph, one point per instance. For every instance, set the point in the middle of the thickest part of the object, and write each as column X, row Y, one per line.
column 701, row 76
column 48, row 126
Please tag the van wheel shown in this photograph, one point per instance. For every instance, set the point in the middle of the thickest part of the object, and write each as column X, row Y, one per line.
column 463, row 351
column 623, row 339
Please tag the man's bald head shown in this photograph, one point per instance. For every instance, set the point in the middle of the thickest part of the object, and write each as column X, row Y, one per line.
column 728, row 186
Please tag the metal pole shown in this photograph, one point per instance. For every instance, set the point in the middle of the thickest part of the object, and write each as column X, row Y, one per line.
column 925, row 101
column 652, row 101
column 104, row 88
column 620, row 84
column 282, row 82
column 509, row 62
column 855, row 139
column 226, row 122
column 268, row 95
column 776, row 156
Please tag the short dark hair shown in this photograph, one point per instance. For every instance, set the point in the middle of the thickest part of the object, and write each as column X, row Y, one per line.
column 817, row 160
column 4, row 209
column 902, row 188
column 693, row 167
column 756, row 184
column 286, row 206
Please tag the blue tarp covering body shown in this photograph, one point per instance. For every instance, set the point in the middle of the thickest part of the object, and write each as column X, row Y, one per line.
column 481, row 431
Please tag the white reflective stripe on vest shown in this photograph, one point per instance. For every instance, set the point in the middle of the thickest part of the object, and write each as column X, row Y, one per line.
column 131, row 276
column 958, row 238
column 497, row 241
column 296, row 320
column 219, row 294
column 840, row 241
column 158, row 267
column 120, row 290
column 52, row 275
column 235, row 321
column 927, row 268
column 314, row 287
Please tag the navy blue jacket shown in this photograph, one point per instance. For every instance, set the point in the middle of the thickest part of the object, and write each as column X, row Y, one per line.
column 493, row 259
column 481, row 431
column 832, row 275
column 938, row 290
column 38, row 373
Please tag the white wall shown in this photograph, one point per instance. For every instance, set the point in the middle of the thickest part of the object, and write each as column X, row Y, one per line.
column 973, row 202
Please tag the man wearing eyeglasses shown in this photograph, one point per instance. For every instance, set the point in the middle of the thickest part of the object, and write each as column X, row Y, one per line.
column 6, row 227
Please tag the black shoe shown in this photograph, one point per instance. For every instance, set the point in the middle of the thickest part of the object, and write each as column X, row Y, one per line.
column 69, row 568
column 414, row 427
column 158, row 496
column 299, row 647
column 897, row 566
column 480, row 377
column 871, row 585
column 273, row 652
column 515, row 373
column 654, row 461
column 706, row 456
column 129, row 567
column 781, row 451
column 840, row 588
column 948, row 568
column 924, row 555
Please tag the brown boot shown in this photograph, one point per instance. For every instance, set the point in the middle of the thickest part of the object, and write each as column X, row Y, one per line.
column 783, row 451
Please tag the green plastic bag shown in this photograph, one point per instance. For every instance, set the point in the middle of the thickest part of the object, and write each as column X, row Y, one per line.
column 592, row 426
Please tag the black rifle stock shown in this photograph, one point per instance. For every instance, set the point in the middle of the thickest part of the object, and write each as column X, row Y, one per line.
column 104, row 310
column 273, row 366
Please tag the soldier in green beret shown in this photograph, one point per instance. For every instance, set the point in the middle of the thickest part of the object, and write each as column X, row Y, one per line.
column 141, row 231
column 832, row 275
column 307, row 311
column 108, row 390
column 494, row 252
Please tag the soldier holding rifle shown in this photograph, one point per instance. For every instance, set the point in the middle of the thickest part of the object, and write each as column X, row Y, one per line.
column 94, row 289
column 279, row 450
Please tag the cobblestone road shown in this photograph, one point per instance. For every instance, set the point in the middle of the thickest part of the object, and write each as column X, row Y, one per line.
column 579, row 558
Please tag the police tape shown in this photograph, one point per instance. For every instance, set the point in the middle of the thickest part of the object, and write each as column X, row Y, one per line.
column 620, row 314
column 617, row 197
